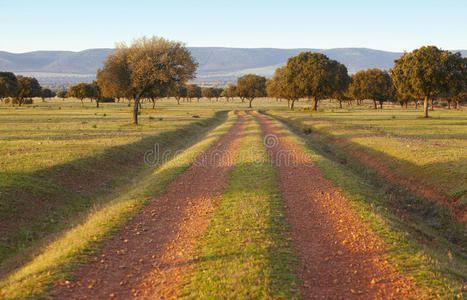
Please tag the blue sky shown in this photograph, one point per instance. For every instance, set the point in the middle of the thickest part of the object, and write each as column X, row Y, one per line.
column 386, row 25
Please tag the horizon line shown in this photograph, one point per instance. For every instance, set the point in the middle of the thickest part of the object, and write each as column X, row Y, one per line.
column 227, row 47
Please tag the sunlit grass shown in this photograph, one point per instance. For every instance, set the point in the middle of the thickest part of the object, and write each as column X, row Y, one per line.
column 246, row 252
column 429, row 249
column 75, row 246
column 430, row 151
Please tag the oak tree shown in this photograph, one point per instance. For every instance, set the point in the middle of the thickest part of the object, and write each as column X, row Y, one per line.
column 146, row 63
column 207, row 92
column 9, row 86
column 315, row 75
column 28, row 87
column 230, row 92
column 81, row 91
column 251, row 86
column 193, row 91
column 46, row 93
column 62, row 94
column 422, row 73
column 373, row 84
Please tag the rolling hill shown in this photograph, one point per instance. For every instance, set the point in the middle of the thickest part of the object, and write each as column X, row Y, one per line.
column 217, row 65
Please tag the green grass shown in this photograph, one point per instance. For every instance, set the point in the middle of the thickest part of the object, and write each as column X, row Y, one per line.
column 72, row 176
column 53, row 167
column 246, row 252
column 429, row 151
column 421, row 239
column 76, row 245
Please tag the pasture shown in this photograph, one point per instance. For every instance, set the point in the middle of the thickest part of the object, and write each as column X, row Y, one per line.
column 72, row 174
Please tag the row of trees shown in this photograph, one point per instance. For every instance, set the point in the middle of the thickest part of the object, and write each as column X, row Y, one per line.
column 426, row 73
column 20, row 89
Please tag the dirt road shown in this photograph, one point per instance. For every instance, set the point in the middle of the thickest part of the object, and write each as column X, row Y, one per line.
column 341, row 258
column 150, row 256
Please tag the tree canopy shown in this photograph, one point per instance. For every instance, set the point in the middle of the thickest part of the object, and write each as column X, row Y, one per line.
column 373, row 84
column 193, row 91
column 251, row 86
column 147, row 63
column 28, row 87
column 62, row 94
column 314, row 75
column 207, row 92
column 9, row 86
column 81, row 91
column 46, row 93
column 426, row 72
column 230, row 92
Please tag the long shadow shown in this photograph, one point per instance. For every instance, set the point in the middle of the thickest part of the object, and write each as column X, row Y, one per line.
column 34, row 205
column 429, row 223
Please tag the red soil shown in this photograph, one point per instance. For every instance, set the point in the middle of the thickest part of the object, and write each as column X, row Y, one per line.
column 458, row 210
column 340, row 257
column 149, row 257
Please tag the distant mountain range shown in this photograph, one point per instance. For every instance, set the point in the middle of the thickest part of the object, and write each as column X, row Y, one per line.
column 217, row 65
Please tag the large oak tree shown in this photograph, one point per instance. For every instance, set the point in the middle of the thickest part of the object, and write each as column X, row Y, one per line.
column 146, row 63
column 28, row 87
column 251, row 86
column 9, row 86
column 315, row 76
column 425, row 73
column 81, row 91
column 373, row 84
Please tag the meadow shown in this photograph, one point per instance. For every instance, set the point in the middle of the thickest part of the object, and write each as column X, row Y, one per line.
column 429, row 156
column 58, row 159
column 62, row 166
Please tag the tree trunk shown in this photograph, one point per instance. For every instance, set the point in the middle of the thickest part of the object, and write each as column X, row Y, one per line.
column 425, row 107
column 135, row 111
column 431, row 104
column 153, row 103
column 315, row 103
column 82, row 103
column 340, row 104
column 374, row 104
column 97, row 103
column 288, row 103
column 406, row 103
column 416, row 104
column 449, row 104
column 458, row 105
column 381, row 104
column 292, row 104
column 178, row 101
column 250, row 103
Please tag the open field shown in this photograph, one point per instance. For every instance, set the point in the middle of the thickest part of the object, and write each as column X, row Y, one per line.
column 74, row 185
column 429, row 156
column 58, row 160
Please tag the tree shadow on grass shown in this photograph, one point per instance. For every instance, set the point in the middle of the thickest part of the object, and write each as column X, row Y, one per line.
column 34, row 205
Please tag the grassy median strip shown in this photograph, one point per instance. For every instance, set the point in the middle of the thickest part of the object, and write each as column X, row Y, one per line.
column 75, row 246
column 434, row 257
column 246, row 251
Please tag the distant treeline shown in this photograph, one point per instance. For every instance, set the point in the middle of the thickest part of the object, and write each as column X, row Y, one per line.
column 155, row 68
column 19, row 89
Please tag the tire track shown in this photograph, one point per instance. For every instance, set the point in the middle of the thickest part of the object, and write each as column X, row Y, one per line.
column 340, row 257
column 148, row 259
